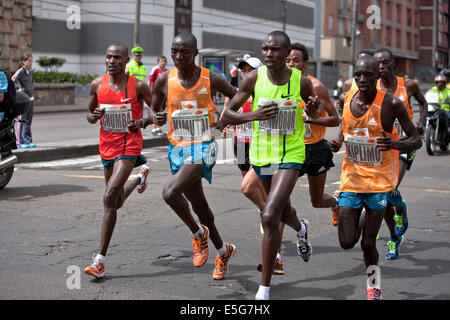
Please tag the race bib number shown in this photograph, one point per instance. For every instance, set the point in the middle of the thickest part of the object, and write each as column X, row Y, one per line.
column 116, row 117
column 361, row 149
column 191, row 125
column 285, row 120
column 244, row 131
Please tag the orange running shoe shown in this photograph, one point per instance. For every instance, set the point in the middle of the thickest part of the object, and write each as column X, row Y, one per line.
column 96, row 269
column 335, row 210
column 277, row 267
column 145, row 170
column 221, row 263
column 201, row 250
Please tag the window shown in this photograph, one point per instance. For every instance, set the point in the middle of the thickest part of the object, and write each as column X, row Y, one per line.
column 330, row 22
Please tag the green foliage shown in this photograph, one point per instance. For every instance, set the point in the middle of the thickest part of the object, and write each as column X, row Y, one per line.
column 62, row 77
column 50, row 63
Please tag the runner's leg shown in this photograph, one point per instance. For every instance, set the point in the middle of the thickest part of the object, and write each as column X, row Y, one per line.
column 113, row 198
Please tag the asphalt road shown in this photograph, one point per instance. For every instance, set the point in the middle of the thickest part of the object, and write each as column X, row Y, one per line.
column 51, row 217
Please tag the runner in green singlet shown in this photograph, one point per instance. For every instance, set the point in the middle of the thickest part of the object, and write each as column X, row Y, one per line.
column 277, row 150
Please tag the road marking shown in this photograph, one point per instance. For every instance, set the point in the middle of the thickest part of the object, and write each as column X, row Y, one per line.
column 82, row 176
column 438, row 191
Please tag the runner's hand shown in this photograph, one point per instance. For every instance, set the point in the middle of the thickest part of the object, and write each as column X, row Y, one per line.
column 312, row 106
column 268, row 111
column 97, row 114
column 134, row 125
column 335, row 145
column 419, row 126
column 160, row 118
column 384, row 143
column 225, row 131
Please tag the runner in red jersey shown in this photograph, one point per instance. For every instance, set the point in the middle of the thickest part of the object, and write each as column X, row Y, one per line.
column 116, row 100
column 154, row 74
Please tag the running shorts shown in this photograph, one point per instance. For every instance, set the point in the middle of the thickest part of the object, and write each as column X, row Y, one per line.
column 408, row 158
column 266, row 172
column 137, row 160
column 204, row 153
column 373, row 201
column 318, row 159
column 243, row 159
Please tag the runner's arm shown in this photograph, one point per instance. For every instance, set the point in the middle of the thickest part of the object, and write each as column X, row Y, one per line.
column 159, row 96
column 388, row 115
column 332, row 120
column 230, row 114
column 220, row 84
column 423, row 105
column 336, row 143
column 95, row 113
column 314, row 107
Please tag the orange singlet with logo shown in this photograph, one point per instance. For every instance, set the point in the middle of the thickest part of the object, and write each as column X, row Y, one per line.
column 315, row 133
column 190, row 111
column 120, row 108
column 402, row 94
column 365, row 169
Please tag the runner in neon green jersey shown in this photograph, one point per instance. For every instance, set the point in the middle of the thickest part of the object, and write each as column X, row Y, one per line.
column 277, row 150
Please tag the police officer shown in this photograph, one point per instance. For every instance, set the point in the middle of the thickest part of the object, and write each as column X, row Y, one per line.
column 135, row 67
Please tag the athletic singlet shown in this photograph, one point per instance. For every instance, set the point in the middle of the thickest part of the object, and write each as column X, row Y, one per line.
column 243, row 132
column 314, row 132
column 120, row 108
column 402, row 94
column 366, row 169
column 278, row 140
column 354, row 85
column 190, row 111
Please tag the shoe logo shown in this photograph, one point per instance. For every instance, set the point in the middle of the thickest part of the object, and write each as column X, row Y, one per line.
column 203, row 91
column 372, row 122
column 285, row 97
column 123, row 100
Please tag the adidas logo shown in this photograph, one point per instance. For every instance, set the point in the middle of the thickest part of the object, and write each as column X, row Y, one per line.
column 372, row 122
column 203, row 91
column 382, row 203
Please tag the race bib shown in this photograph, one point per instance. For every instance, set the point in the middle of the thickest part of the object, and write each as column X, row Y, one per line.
column 191, row 125
column 400, row 131
column 244, row 131
column 308, row 132
column 285, row 120
column 116, row 117
column 361, row 149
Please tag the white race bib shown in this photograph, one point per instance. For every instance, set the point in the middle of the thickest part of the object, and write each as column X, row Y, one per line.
column 361, row 149
column 285, row 120
column 116, row 117
column 191, row 125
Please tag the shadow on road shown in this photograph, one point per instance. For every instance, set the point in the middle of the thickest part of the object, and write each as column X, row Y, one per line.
column 30, row 193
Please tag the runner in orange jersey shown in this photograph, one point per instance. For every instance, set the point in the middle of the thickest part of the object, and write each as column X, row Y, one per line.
column 396, row 217
column 369, row 169
column 116, row 100
column 192, row 150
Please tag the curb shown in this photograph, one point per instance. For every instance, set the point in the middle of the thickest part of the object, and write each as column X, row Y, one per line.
column 59, row 153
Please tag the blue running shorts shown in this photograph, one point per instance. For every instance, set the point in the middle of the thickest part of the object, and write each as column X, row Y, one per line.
column 374, row 201
column 204, row 153
column 266, row 172
column 137, row 160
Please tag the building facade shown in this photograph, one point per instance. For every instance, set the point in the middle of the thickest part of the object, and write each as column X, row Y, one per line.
column 409, row 28
column 224, row 29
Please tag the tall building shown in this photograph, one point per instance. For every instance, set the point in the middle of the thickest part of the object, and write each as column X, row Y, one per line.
column 406, row 27
column 224, row 29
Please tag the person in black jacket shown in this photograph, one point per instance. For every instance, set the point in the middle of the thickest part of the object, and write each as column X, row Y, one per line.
column 24, row 80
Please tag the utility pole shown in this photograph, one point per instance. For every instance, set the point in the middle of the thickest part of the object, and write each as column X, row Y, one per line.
column 352, row 52
column 137, row 21
column 284, row 6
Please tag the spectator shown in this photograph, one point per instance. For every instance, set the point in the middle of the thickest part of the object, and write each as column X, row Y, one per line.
column 235, row 73
column 135, row 67
column 24, row 82
column 154, row 74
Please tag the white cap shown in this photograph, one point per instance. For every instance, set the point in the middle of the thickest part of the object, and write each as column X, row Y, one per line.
column 246, row 56
column 253, row 62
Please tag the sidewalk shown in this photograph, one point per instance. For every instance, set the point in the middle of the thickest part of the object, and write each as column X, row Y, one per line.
column 58, row 150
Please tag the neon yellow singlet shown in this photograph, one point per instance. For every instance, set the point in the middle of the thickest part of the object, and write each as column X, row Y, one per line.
column 279, row 140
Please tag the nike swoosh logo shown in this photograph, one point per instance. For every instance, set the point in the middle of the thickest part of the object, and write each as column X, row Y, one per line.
column 123, row 100
column 284, row 97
